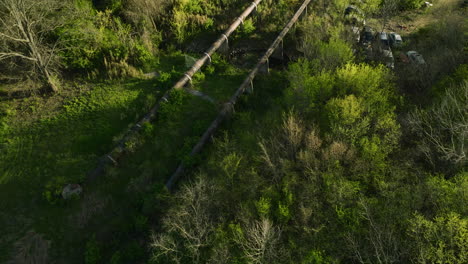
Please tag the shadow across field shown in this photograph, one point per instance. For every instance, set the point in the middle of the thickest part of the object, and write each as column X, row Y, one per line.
column 38, row 158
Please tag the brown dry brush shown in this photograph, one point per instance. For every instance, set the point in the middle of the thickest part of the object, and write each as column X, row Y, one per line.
column 260, row 241
column 32, row 248
column 443, row 128
column 28, row 48
column 187, row 228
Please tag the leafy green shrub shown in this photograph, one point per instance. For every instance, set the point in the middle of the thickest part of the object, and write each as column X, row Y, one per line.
column 441, row 240
column 209, row 69
column 133, row 252
column 93, row 251
column 156, row 200
column 116, row 258
column 53, row 190
column 247, row 27
column 148, row 129
column 198, row 77
column 331, row 54
column 439, row 90
column 410, row 4
column 447, row 196
column 263, row 206
column 308, row 87
column 316, row 257
column 98, row 41
column 190, row 17
column 113, row 5
column 143, row 56
column 172, row 107
column 346, row 117
column 222, row 65
column 353, row 105
column 5, row 113
column 140, row 223
column 283, row 212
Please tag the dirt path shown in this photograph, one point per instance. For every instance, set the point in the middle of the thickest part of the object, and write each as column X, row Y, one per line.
column 411, row 21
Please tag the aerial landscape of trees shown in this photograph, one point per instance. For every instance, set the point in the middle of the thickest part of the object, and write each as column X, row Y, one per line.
column 333, row 155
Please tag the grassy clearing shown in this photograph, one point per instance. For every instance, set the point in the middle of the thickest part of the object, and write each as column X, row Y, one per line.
column 255, row 114
column 48, row 149
column 48, row 142
column 43, row 155
column 414, row 20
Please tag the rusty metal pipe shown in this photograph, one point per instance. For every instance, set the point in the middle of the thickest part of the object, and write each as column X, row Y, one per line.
column 227, row 109
column 118, row 150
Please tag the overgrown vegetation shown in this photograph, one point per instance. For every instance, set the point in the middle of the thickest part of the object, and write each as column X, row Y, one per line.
column 331, row 159
column 334, row 169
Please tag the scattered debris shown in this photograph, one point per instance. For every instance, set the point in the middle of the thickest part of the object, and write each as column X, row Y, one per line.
column 403, row 58
column 200, row 94
column 428, row 4
column 32, row 248
column 189, row 61
column 71, row 190
column 150, row 75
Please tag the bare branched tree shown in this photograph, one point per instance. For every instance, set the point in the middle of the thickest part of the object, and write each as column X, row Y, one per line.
column 260, row 241
column 187, row 227
column 28, row 45
column 381, row 237
column 444, row 127
column 293, row 133
column 378, row 244
column 32, row 248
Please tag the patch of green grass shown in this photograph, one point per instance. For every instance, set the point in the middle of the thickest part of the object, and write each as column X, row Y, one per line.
column 39, row 155
column 58, row 150
column 44, row 154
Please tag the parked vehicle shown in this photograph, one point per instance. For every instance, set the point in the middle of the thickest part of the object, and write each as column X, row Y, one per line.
column 415, row 57
column 395, row 39
column 388, row 59
column 384, row 41
column 367, row 36
column 355, row 33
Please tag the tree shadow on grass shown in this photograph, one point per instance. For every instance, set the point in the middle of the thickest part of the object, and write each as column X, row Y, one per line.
column 64, row 148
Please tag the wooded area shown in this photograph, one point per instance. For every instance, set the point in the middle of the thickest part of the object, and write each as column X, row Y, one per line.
column 350, row 148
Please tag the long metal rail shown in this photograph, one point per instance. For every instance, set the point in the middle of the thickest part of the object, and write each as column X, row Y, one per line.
column 119, row 149
column 228, row 107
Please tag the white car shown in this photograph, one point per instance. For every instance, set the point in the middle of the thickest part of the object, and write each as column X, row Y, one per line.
column 384, row 39
column 356, row 32
column 395, row 39
column 415, row 57
column 388, row 59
